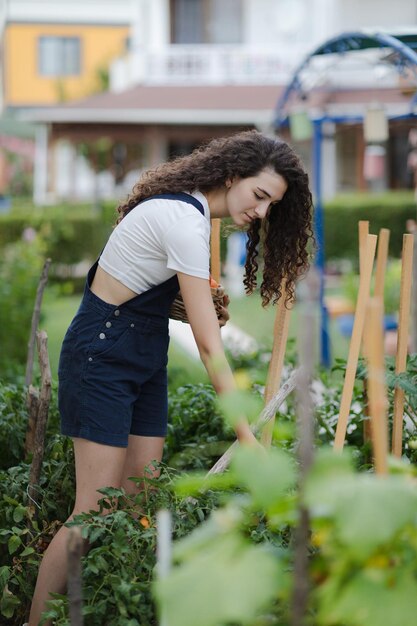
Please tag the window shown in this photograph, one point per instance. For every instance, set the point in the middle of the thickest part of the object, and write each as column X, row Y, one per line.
column 59, row 56
column 206, row 21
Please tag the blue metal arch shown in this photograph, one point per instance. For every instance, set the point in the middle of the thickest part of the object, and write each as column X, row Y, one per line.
column 350, row 42
column 347, row 42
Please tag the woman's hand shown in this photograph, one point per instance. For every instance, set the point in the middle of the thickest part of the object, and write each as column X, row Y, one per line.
column 223, row 313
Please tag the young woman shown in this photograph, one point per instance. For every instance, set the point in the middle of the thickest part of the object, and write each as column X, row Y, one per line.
column 112, row 372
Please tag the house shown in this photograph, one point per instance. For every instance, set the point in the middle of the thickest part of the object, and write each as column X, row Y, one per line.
column 199, row 68
column 55, row 51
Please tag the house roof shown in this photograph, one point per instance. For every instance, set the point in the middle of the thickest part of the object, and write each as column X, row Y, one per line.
column 176, row 104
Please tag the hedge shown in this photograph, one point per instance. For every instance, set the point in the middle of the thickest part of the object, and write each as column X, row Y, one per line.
column 76, row 233
column 70, row 233
column 341, row 216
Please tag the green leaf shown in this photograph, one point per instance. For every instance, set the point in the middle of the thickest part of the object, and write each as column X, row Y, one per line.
column 199, row 482
column 229, row 582
column 19, row 513
column 238, row 404
column 367, row 510
column 8, row 604
column 27, row 551
column 13, row 543
column 372, row 510
column 5, row 573
column 220, row 523
column 267, row 476
column 372, row 599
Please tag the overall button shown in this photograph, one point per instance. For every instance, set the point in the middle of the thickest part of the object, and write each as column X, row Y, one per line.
column 102, row 336
column 90, row 358
column 108, row 324
column 117, row 312
column 132, row 326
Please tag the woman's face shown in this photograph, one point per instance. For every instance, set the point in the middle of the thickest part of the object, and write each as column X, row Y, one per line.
column 250, row 198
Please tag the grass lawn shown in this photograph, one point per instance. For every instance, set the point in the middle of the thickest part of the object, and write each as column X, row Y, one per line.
column 248, row 314
column 245, row 312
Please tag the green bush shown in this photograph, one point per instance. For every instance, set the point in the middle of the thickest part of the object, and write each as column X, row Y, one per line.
column 68, row 238
column 341, row 216
column 20, row 270
column 71, row 232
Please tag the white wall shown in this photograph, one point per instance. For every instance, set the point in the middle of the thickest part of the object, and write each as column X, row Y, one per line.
column 79, row 11
column 353, row 14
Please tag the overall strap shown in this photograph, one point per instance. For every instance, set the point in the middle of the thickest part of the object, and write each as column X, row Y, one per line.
column 184, row 197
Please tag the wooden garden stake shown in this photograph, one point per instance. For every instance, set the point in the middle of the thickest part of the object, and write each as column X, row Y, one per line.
column 215, row 269
column 281, row 325
column 363, row 233
column 380, row 270
column 305, row 447
column 378, row 403
column 402, row 341
column 381, row 263
column 35, row 321
column 75, row 597
column 352, row 362
column 42, row 414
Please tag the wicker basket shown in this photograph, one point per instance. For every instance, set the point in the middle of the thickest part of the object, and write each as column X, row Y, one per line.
column 177, row 311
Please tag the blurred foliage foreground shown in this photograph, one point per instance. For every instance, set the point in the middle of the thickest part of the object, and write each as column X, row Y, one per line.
column 233, row 533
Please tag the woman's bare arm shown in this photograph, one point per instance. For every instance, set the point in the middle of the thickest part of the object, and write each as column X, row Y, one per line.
column 205, row 326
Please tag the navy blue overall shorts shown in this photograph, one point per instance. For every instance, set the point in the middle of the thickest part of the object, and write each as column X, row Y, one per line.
column 113, row 365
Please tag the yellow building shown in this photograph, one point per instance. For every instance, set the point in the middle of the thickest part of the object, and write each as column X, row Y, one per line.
column 50, row 61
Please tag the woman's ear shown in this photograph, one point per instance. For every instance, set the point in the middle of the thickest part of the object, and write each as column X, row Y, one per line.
column 228, row 183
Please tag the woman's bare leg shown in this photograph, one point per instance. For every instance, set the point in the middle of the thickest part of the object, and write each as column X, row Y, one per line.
column 96, row 466
column 140, row 452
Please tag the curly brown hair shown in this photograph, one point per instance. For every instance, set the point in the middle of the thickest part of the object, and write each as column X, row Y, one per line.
column 284, row 234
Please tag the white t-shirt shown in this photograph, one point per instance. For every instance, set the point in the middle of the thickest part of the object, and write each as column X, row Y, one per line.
column 157, row 239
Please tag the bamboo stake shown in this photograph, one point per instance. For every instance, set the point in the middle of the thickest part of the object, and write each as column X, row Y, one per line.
column 352, row 362
column 215, row 269
column 381, row 264
column 402, row 341
column 363, row 234
column 281, row 325
column 378, row 403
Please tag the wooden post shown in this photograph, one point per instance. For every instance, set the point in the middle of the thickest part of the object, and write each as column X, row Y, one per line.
column 42, row 413
column 381, row 264
column 35, row 322
column 281, row 325
column 414, row 298
column 215, row 269
column 363, row 231
column 75, row 597
column 352, row 362
column 380, row 270
column 402, row 341
column 305, row 447
column 363, row 226
column 378, row 403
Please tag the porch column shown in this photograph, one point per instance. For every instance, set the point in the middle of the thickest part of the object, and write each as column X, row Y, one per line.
column 40, row 174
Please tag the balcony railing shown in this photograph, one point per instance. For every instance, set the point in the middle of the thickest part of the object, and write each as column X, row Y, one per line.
column 206, row 64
